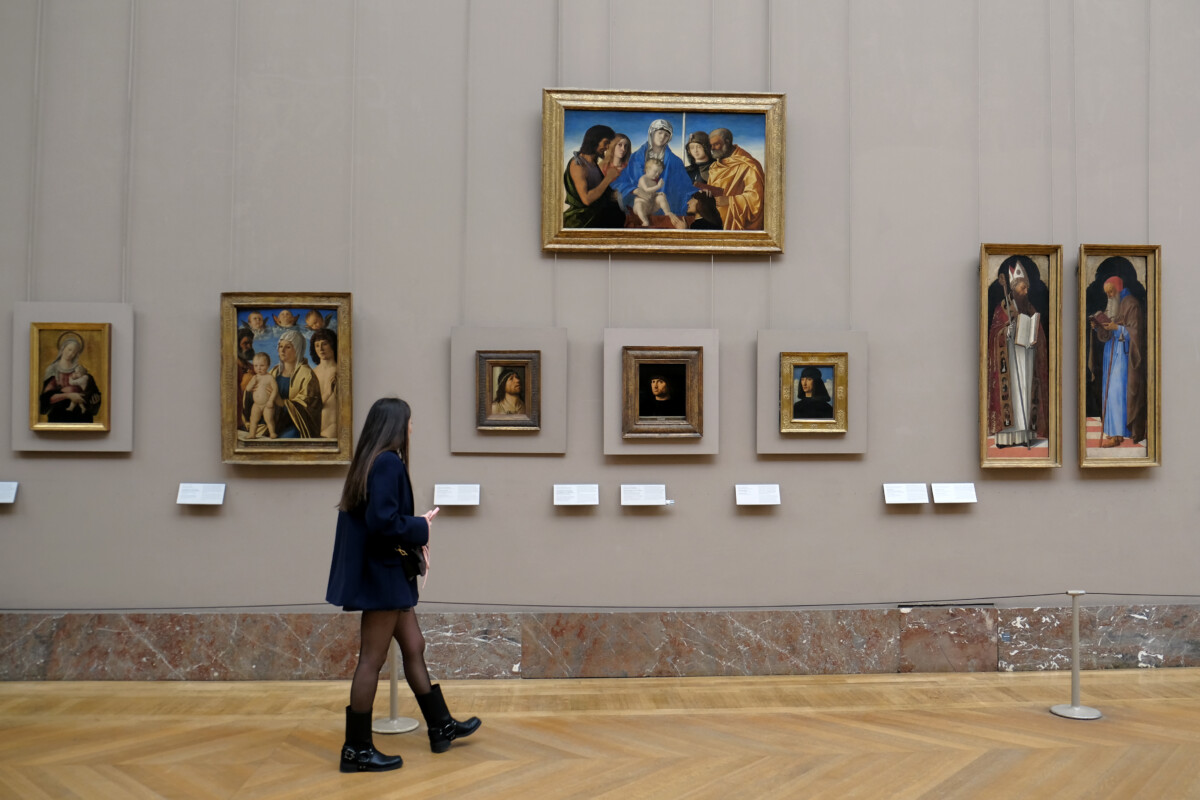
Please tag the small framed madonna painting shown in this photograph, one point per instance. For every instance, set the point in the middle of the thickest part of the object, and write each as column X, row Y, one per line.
column 285, row 378
column 70, row 376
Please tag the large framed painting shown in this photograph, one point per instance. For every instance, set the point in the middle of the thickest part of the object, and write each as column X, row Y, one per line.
column 1119, row 365
column 70, row 375
column 813, row 392
column 1020, row 345
column 662, row 392
column 508, row 390
column 662, row 172
column 285, row 378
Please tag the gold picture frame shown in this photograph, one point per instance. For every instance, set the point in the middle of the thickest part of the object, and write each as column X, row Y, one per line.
column 313, row 422
column 1020, row 355
column 742, row 207
column 1120, row 403
column 662, row 391
column 822, row 407
column 508, row 390
column 70, row 376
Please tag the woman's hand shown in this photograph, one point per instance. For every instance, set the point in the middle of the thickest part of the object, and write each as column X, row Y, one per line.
column 429, row 515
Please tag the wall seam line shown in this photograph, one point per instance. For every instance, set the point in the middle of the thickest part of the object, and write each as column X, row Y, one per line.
column 850, row 162
column 466, row 187
column 1050, row 109
column 352, row 255
column 1149, row 100
column 1075, row 127
column 978, row 127
column 130, row 127
column 231, row 267
column 35, row 172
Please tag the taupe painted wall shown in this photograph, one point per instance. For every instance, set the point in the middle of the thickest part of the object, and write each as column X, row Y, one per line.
column 161, row 152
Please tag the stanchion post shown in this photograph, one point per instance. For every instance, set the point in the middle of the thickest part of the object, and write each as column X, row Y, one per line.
column 394, row 724
column 1075, row 710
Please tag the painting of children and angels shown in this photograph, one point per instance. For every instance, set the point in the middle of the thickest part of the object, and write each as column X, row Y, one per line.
column 285, row 378
column 662, row 172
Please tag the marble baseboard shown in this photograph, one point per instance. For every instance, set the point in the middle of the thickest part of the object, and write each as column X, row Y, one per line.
column 323, row 646
column 684, row 644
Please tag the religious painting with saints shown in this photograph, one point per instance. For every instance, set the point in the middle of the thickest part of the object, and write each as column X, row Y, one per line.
column 1119, row 356
column 662, row 172
column 285, row 378
column 1020, row 340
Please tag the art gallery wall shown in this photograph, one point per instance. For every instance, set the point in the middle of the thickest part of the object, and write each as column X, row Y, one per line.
column 159, row 153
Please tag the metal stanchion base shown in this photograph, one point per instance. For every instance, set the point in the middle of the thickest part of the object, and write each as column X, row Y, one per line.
column 396, row 725
column 1075, row 712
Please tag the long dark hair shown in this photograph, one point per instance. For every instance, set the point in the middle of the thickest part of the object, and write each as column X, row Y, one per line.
column 386, row 428
column 592, row 137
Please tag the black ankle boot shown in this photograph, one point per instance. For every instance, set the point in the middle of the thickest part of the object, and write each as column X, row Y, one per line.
column 443, row 728
column 359, row 753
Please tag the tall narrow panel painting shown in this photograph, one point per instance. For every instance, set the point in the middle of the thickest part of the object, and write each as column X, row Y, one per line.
column 1119, row 364
column 1020, row 345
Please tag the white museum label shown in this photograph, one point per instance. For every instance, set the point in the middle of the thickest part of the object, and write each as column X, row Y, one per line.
column 644, row 494
column 8, row 491
column 576, row 494
column 201, row 494
column 905, row 493
column 757, row 494
column 953, row 492
column 456, row 494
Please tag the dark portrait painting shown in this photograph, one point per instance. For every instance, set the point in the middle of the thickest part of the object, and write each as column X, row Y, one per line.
column 662, row 392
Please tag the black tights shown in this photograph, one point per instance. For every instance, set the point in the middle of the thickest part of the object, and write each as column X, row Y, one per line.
column 378, row 628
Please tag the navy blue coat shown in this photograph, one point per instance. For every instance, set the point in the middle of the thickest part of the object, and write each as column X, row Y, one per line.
column 366, row 572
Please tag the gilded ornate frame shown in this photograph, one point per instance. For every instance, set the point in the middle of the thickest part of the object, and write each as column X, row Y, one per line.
column 557, row 102
column 1146, row 261
column 236, row 448
column 1048, row 259
column 839, row 422
column 45, row 342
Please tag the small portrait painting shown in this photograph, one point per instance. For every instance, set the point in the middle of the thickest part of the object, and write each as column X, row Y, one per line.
column 662, row 392
column 70, row 376
column 286, row 360
column 813, row 392
column 508, row 391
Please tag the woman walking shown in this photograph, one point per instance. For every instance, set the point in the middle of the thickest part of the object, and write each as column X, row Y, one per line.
column 376, row 532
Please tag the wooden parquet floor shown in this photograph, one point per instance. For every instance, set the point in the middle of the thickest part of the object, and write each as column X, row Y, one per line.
column 865, row 736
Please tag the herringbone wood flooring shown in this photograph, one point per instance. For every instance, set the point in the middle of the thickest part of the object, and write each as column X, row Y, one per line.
column 868, row 736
